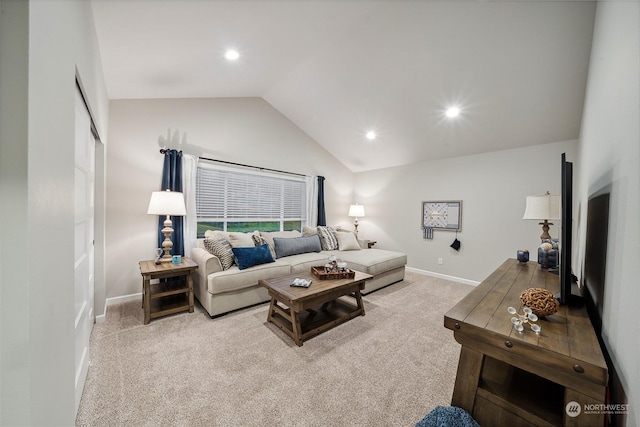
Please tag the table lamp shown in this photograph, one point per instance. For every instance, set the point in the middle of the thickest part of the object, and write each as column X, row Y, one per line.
column 356, row 211
column 167, row 203
column 543, row 208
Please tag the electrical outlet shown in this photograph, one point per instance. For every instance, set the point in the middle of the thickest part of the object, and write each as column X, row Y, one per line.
column 439, row 261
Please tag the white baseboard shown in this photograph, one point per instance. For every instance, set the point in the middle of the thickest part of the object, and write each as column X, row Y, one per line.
column 443, row 276
column 117, row 300
column 138, row 296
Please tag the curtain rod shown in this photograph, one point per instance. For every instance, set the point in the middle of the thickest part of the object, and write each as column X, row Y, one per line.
column 164, row 150
column 253, row 167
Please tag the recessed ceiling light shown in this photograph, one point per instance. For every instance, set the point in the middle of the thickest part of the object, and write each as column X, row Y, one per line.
column 371, row 135
column 232, row 55
column 453, row 112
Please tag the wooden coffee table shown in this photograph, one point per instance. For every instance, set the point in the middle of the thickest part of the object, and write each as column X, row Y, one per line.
column 305, row 312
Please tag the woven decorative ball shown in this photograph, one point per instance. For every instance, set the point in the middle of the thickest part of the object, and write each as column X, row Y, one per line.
column 546, row 246
column 541, row 301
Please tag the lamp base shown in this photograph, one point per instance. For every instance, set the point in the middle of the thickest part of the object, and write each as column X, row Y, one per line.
column 545, row 230
column 167, row 244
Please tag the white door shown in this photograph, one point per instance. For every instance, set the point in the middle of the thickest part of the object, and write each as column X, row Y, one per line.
column 84, row 242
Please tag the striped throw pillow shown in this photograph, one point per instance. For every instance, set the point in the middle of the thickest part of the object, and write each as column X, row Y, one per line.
column 328, row 238
column 220, row 248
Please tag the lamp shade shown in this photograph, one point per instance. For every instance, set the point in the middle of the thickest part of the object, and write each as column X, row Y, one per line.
column 167, row 203
column 356, row 211
column 544, row 206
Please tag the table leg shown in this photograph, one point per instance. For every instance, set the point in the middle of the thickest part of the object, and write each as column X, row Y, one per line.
column 190, row 286
column 296, row 327
column 271, row 310
column 146, row 298
column 359, row 301
column 467, row 379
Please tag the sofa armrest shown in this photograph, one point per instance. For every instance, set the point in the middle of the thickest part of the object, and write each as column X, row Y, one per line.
column 207, row 263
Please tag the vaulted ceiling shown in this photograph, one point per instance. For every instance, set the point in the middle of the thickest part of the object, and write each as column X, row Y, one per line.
column 341, row 68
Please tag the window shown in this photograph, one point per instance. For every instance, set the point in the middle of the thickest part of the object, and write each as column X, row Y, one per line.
column 233, row 199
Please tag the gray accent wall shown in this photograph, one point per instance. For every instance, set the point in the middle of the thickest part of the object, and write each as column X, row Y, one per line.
column 493, row 189
column 241, row 130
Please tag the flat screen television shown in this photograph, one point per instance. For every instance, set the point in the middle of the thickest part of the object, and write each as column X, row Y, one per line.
column 595, row 257
column 566, row 203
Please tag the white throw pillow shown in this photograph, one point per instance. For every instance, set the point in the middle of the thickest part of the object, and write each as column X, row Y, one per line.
column 347, row 241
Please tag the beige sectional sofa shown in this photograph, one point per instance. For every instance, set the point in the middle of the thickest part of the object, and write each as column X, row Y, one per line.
column 223, row 290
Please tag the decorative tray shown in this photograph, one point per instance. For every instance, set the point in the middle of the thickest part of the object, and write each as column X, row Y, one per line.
column 321, row 274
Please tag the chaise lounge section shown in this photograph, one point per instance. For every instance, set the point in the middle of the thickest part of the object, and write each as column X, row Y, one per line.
column 221, row 290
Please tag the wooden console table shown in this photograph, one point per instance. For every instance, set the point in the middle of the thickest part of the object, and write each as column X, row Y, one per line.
column 515, row 378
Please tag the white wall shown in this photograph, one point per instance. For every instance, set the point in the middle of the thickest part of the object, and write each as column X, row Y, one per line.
column 49, row 44
column 14, row 325
column 242, row 130
column 493, row 189
column 609, row 158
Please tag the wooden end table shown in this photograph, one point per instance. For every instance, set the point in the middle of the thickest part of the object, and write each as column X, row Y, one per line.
column 173, row 296
column 305, row 312
column 513, row 378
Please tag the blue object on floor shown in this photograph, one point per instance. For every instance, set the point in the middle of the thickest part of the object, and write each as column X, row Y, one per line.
column 448, row 416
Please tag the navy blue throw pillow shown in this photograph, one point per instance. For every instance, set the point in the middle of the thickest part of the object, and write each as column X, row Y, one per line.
column 248, row 257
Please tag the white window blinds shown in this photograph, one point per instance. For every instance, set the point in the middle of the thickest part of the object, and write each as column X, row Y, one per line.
column 223, row 194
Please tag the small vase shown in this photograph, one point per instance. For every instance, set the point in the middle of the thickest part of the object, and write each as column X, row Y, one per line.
column 523, row 255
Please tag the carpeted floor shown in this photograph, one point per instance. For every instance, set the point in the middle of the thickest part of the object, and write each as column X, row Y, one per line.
column 388, row 368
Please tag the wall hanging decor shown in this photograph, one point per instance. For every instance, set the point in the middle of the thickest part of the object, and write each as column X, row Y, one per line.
column 441, row 215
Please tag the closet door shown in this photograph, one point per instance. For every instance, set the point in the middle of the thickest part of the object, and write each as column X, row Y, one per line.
column 84, row 241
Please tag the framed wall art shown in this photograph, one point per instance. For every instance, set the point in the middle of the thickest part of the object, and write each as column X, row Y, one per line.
column 442, row 215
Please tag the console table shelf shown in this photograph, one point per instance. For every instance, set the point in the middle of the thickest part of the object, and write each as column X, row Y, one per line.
column 507, row 377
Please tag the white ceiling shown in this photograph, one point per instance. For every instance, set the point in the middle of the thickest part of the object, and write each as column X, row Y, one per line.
column 338, row 68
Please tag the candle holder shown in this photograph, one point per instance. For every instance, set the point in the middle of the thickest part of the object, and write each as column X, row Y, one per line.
column 520, row 319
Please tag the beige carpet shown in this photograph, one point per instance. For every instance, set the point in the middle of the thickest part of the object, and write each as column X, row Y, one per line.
column 388, row 368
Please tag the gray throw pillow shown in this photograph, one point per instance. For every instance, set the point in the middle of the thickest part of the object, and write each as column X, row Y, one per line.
column 298, row 245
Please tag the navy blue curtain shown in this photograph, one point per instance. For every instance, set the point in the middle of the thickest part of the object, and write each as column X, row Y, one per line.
column 172, row 180
column 322, row 216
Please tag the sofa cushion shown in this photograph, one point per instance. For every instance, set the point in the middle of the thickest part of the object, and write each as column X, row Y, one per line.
column 302, row 263
column 297, row 245
column 250, row 256
column 241, row 240
column 309, row 231
column 327, row 238
column 347, row 241
column 234, row 279
column 220, row 248
column 216, row 233
column 373, row 261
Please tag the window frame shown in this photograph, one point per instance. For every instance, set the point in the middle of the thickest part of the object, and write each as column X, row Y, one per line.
column 284, row 219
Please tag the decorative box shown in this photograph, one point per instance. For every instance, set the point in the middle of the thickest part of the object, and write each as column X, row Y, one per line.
column 321, row 273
